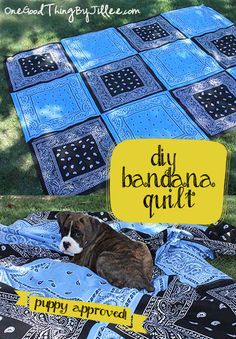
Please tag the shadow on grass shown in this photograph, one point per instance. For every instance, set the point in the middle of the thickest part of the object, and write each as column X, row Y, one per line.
column 17, row 167
column 19, row 33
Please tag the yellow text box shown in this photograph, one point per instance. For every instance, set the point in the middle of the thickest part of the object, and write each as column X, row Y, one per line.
column 165, row 180
column 86, row 310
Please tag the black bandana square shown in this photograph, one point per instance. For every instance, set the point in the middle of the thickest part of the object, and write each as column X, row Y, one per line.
column 151, row 32
column 79, row 157
column 124, row 80
column 218, row 101
column 37, row 63
column 226, row 45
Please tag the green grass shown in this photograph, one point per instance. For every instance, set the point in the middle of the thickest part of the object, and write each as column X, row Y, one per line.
column 17, row 207
column 17, row 171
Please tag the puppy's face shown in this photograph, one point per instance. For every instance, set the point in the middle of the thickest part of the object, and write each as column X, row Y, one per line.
column 77, row 231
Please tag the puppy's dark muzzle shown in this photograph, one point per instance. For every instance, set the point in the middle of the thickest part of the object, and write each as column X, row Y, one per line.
column 66, row 245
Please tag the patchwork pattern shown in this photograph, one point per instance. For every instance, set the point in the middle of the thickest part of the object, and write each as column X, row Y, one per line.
column 181, row 306
column 121, row 82
column 185, row 63
column 197, row 20
column 158, row 116
column 74, row 160
column 38, row 65
column 221, row 45
column 97, row 48
column 74, row 97
column 184, row 312
column 150, row 33
column 53, row 106
column 212, row 103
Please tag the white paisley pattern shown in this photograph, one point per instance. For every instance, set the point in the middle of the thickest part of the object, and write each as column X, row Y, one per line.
column 170, row 33
column 19, row 81
column 51, row 175
column 53, row 106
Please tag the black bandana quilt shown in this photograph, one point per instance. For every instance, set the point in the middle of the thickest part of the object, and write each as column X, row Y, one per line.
column 169, row 76
column 198, row 301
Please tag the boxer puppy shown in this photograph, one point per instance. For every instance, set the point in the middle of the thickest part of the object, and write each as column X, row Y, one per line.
column 121, row 261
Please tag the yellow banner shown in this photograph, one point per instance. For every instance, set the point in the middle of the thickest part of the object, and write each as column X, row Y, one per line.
column 85, row 310
column 165, row 180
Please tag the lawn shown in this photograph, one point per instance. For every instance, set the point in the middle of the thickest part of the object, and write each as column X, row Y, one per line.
column 17, row 171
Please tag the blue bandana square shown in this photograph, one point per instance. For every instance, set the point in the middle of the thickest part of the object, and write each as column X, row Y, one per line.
column 53, row 106
column 41, row 64
column 73, row 161
column 97, row 48
column 150, row 33
column 158, row 116
column 221, row 45
column 232, row 71
column 180, row 63
column 196, row 20
column 121, row 82
column 211, row 103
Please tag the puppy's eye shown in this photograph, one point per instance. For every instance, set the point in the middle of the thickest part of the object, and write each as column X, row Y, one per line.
column 78, row 234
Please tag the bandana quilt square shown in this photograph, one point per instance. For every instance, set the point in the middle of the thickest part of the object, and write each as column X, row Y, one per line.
column 185, row 64
column 120, row 82
column 232, row 71
column 97, row 48
column 53, row 106
column 73, row 161
column 196, row 20
column 221, row 45
column 211, row 103
column 158, row 116
column 150, row 33
column 38, row 65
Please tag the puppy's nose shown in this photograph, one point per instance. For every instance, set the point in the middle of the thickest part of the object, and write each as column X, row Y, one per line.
column 66, row 244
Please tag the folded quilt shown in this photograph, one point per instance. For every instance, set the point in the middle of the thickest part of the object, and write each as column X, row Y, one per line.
column 192, row 299
column 169, row 76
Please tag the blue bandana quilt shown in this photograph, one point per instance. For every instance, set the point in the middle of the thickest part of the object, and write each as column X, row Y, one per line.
column 193, row 297
column 168, row 76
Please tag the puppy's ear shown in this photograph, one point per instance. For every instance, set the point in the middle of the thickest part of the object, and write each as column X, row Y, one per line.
column 91, row 227
column 62, row 217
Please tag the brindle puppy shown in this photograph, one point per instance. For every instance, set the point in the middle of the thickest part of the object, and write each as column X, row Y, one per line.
column 113, row 256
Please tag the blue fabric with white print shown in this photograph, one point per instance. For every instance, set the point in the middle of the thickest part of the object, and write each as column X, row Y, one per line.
column 46, row 276
column 196, row 20
column 122, row 83
column 176, row 252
